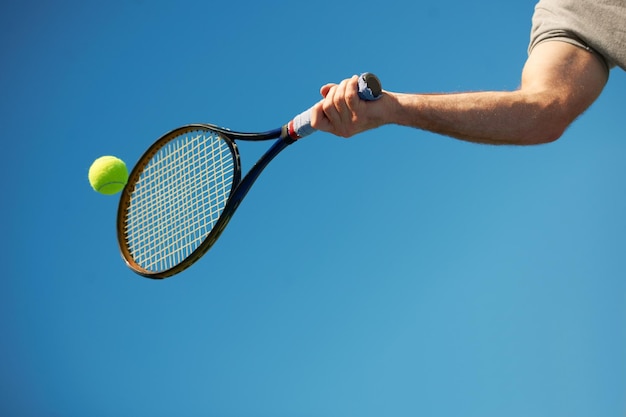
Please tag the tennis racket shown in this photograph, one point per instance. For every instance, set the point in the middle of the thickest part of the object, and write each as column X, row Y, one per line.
column 186, row 187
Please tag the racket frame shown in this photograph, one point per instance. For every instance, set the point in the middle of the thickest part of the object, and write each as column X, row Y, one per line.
column 239, row 188
column 369, row 89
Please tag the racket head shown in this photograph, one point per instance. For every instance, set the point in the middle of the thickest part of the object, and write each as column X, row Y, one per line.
column 173, row 207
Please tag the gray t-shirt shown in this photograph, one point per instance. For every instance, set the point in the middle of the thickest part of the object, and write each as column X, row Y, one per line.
column 596, row 25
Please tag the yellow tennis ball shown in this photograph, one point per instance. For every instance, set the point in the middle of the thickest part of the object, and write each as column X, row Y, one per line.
column 108, row 175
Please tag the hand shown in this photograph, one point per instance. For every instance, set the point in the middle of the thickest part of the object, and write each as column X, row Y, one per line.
column 341, row 111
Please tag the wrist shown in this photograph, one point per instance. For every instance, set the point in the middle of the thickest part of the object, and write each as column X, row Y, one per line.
column 400, row 109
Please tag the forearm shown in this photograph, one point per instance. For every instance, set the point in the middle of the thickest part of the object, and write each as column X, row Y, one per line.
column 559, row 82
column 513, row 118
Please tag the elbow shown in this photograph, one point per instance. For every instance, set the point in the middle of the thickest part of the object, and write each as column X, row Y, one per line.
column 543, row 133
column 548, row 124
column 534, row 133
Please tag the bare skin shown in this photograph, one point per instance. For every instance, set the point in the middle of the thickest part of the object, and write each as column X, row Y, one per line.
column 559, row 82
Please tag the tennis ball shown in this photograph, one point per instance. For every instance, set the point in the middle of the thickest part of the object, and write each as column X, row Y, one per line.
column 108, row 175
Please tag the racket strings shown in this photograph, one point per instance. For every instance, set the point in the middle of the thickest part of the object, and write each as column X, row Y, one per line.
column 178, row 199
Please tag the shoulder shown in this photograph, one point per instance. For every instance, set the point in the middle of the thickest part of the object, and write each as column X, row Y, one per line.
column 594, row 25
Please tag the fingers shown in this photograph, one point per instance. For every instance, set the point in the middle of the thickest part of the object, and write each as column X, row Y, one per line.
column 326, row 88
column 341, row 111
column 339, row 106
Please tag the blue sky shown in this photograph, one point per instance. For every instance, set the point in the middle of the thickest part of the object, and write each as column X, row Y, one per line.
column 398, row 273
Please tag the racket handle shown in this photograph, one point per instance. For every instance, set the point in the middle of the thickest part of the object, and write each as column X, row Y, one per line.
column 370, row 89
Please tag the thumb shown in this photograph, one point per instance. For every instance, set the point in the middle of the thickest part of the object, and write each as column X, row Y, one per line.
column 319, row 120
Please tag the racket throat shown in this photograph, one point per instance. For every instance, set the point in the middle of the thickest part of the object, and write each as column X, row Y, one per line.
column 247, row 182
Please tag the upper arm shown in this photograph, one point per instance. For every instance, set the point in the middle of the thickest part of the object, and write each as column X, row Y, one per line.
column 565, row 78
